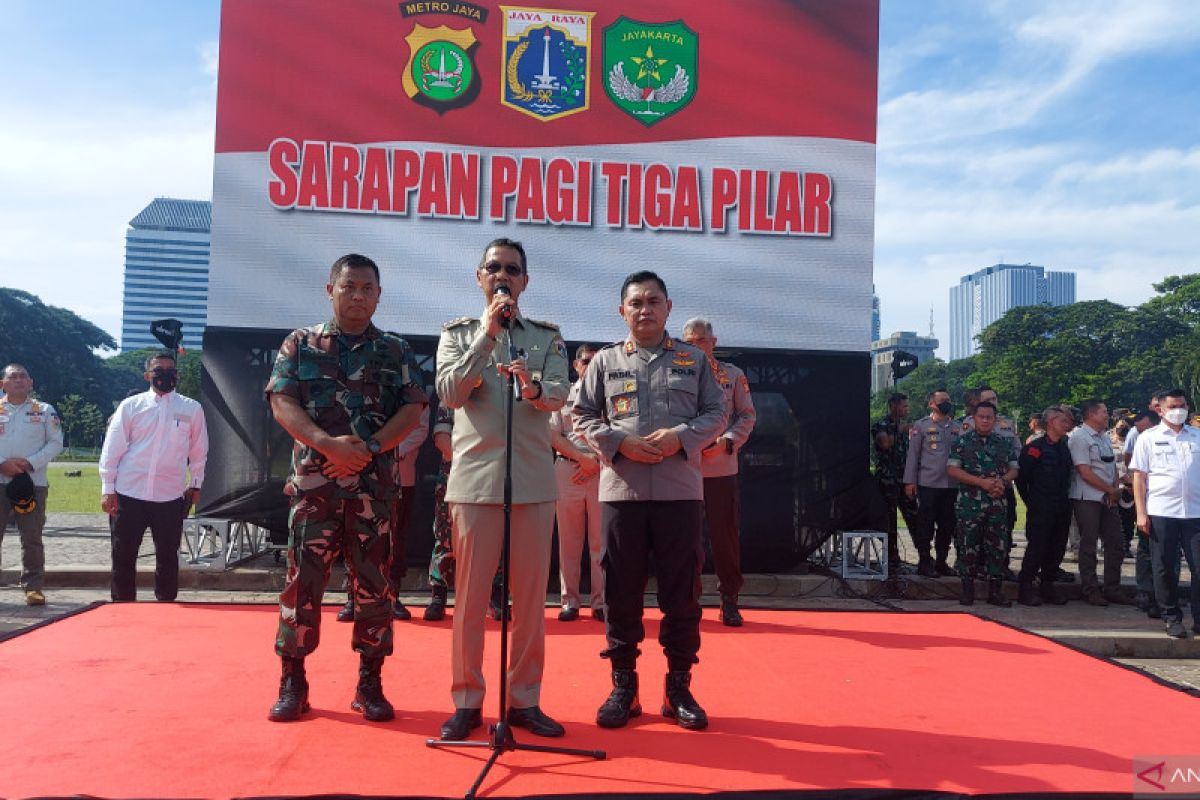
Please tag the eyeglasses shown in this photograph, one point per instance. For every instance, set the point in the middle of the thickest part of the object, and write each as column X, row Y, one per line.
column 511, row 270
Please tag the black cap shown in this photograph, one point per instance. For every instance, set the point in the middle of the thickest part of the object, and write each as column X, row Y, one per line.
column 20, row 493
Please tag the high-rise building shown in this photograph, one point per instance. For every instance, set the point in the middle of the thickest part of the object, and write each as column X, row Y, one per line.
column 983, row 297
column 883, row 352
column 875, row 327
column 166, row 271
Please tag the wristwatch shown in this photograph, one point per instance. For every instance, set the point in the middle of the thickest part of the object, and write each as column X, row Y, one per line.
column 374, row 446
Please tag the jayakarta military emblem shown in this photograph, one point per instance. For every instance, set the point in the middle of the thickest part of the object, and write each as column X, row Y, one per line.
column 650, row 67
column 546, row 61
column 441, row 73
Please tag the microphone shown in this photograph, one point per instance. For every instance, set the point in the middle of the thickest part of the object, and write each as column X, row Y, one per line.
column 506, row 318
column 506, row 313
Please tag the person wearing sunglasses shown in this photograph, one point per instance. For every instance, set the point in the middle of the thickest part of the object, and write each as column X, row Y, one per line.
column 1095, row 493
column 475, row 358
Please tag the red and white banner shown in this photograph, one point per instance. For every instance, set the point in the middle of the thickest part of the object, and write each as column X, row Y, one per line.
column 729, row 146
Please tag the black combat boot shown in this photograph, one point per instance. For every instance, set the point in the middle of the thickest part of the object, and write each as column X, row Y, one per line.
column 293, row 692
column 623, row 703
column 346, row 612
column 678, row 703
column 369, row 697
column 729, row 611
column 436, row 610
column 996, row 594
column 968, row 592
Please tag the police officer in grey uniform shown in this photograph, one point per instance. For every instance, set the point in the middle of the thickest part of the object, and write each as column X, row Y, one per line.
column 648, row 406
column 30, row 437
column 474, row 361
column 925, row 477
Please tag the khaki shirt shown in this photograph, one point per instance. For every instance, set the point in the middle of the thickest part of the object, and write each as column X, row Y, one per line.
column 562, row 421
column 739, row 409
column 467, row 382
column 632, row 390
column 929, row 444
column 31, row 431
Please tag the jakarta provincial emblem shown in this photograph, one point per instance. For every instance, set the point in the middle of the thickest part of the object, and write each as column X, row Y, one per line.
column 546, row 61
column 441, row 70
column 650, row 67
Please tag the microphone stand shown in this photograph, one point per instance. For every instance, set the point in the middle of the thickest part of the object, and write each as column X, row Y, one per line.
column 501, row 739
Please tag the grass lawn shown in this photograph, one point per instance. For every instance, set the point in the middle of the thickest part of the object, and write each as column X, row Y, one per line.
column 74, row 494
column 1020, row 526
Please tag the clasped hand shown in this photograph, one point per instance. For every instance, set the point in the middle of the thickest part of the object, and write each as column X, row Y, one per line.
column 651, row 449
column 345, row 456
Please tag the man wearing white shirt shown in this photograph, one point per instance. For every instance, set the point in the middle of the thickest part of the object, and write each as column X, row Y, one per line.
column 1094, row 495
column 1166, row 489
column 154, row 440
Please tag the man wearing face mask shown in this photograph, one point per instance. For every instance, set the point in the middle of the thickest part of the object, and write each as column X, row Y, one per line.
column 926, row 479
column 1166, row 489
column 151, row 470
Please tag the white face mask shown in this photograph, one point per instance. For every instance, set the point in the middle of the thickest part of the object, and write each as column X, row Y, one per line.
column 1176, row 416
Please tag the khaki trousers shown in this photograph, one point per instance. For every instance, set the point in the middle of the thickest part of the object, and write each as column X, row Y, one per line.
column 478, row 536
column 578, row 511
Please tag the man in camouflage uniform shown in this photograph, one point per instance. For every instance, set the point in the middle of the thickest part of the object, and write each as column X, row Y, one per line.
column 889, row 444
column 345, row 392
column 1006, row 428
column 983, row 463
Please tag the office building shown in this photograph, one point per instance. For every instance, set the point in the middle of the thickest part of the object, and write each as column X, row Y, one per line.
column 875, row 322
column 166, row 271
column 883, row 352
column 983, row 297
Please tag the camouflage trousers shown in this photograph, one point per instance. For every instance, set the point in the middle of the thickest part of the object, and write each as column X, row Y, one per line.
column 441, row 562
column 322, row 529
column 981, row 535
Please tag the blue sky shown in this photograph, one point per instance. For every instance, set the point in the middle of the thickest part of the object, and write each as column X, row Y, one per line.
column 1065, row 134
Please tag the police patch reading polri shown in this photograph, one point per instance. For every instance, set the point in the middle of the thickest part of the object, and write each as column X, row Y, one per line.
column 650, row 68
column 546, row 61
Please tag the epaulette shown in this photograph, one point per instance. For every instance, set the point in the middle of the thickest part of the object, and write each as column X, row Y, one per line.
column 611, row 346
column 543, row 324
column 454, row 323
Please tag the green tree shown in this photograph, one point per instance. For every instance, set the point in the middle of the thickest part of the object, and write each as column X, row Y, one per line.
column 57, row 346
column 83, row 424
column 926, row 378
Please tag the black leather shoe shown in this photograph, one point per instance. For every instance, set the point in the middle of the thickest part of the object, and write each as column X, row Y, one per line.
column 678, row 703
column 534, row 720
column 1062, row 576
column 346, row 614
column 1175, row 629
column 944, row 569
column 368, row 698
column 399, row 611
column 293, row 692
column 1027, row 595
column 459, row 726
column 622, row 704
column 1052, row 594
column 1154, row 611
column 599, row 615
column 568, row 615
column 494, row 606
column 436, row 610
column 926, row 569
column 730, row 615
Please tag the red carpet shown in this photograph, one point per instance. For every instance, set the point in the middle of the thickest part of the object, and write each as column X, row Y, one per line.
column 154, row 700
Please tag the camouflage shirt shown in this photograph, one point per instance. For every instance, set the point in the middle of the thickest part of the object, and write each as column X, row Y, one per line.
column 982, row 456
column 889, row 464
column 348, row 385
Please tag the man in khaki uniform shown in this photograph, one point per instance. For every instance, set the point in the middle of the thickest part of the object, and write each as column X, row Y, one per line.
column 648, row 406
column 474, row 361
column 578, row 510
